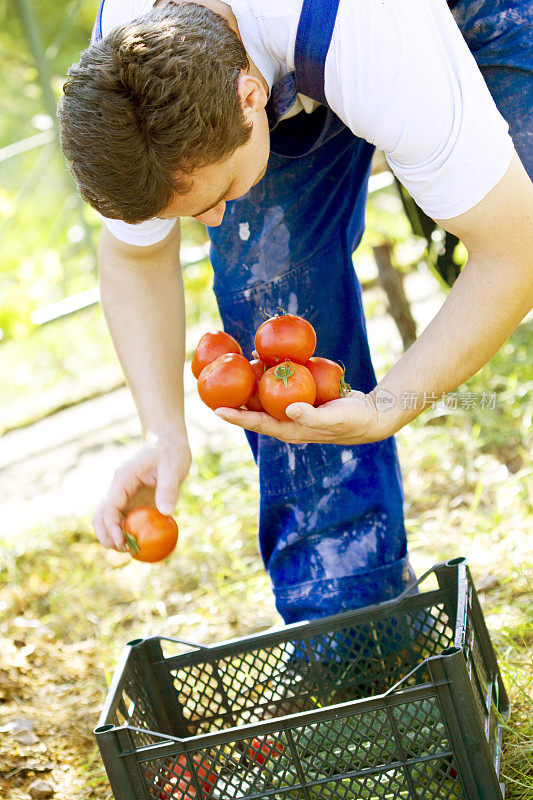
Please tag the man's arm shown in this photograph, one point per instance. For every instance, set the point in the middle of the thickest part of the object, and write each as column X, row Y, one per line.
column 491, row 295
column 142, row 299
column 488, row 300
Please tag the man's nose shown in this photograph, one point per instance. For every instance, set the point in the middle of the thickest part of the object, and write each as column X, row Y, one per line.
column 214, row 216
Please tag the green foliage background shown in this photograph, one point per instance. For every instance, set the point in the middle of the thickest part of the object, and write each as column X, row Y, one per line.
column 48, row 239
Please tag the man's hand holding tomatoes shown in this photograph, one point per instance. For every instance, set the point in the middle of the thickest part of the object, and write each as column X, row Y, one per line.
column 152, row 477
column 353, row 419
column 286, row 344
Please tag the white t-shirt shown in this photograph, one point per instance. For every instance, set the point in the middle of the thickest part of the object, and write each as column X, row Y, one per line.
column 400, row 75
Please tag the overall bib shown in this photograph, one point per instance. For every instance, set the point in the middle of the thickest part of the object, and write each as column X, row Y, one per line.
column 331, row 529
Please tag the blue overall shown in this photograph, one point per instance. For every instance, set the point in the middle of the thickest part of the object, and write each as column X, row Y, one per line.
column 331, row 527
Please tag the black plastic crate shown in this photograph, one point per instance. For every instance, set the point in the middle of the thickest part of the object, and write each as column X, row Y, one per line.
column 398, row 700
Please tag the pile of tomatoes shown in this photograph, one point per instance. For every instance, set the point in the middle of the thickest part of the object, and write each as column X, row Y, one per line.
column 284, row 372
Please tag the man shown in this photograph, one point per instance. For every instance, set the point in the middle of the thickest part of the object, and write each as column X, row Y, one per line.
column 169, row 115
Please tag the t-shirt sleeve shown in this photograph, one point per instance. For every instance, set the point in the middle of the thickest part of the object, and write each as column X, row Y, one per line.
column 412, row 88
column 142, row 234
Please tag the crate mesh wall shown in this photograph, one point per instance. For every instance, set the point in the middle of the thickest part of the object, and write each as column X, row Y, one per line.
column 365, row 754
column 343, row 664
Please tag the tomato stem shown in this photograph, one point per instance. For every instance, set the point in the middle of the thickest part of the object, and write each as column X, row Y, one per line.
column 284, row 371
column 280, row 312
column 344, row 388
column 131, row 543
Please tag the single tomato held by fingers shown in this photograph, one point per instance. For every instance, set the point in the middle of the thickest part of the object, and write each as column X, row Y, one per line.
column 329, row 379
column 286, row 336
column 227, row 381
column 150, row 536
column 212, row 345
column 259, row 368
column 285, row 384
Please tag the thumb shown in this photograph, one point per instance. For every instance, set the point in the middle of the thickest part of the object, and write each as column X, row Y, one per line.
column 306, row 414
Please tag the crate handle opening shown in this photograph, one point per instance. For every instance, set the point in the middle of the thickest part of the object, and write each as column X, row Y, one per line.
column 104, row 728
column 450, row 651
column 454, row 562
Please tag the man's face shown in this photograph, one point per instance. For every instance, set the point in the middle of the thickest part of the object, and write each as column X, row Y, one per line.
column 226, row 180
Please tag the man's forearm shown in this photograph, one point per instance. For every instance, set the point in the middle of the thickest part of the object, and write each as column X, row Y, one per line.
column 142, row 298
column 486, row 303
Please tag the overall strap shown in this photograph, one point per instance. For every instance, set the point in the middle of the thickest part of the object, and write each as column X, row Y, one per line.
column 97, row 27
column 313, row 39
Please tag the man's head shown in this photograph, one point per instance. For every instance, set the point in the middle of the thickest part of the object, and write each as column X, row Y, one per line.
column 164, row 117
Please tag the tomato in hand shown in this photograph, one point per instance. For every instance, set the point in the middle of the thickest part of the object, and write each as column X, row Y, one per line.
column 150, row 536
column 285, row 384
column 254, row 403
column 212, row 345
column 228, row 381
column 286, row 336
column 329, row 379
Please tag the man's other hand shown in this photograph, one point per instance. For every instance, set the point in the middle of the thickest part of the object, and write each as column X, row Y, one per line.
column 151, row 477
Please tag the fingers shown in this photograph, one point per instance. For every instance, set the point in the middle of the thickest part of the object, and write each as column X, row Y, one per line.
column 326, row 417
column 107, row 520
column 260, row 422
column 152, row 477
column 107, row 524
column 349, row 420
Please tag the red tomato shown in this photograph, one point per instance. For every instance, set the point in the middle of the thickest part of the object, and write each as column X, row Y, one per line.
column 329, row 379
column 178, row 783
column 286, row 336
column 150, row 536
column 263, row 748
column 212, row 345
column 285, row 384
column 254, row 403
column 227, row 381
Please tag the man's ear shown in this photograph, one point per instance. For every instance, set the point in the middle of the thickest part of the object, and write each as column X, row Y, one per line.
column 252, row 94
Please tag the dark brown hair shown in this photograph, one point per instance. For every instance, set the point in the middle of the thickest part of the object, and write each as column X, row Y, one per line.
column 150, row 103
